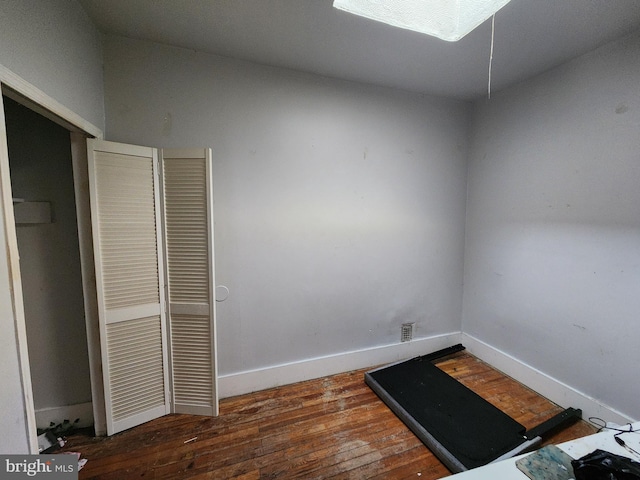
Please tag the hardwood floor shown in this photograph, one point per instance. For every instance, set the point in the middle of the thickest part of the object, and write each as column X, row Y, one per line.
column 333, row 427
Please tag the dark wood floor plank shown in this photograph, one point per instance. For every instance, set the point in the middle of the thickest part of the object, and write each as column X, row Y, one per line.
column 344, row 453
column 333, row 427
column 416, row 463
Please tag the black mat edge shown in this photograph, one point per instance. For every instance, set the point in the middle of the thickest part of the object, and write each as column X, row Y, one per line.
column 445, row 456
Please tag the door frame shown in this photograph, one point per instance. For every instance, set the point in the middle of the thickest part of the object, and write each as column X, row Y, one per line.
column 18, row 89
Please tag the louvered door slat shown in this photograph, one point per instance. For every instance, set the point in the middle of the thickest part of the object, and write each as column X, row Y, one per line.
column 191, row 359
column 189, row 252
column 129, row 278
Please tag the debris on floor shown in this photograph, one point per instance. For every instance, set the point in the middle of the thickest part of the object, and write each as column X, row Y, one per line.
column 48, row 441
column 81, row 461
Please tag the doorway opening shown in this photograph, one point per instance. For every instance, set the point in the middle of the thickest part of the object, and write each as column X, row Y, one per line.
column 42, row 181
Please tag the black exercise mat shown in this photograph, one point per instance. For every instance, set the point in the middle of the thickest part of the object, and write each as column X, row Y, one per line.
column 461, row 428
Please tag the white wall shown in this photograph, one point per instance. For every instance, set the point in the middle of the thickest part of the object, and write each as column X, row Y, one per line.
column 339, row 207
column 49, row 261
column 552, row 267
column 53, row 46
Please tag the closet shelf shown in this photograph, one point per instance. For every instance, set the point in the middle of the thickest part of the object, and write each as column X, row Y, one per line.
column 31, row 212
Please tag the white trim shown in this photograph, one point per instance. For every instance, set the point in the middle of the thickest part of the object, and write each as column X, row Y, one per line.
column 260, row 379
column 127, row 149
column 555, row 390
column 15, row 284
column 85, row 239
column 212, row 279
column 36, row 99
column 195, row 153
column 82, row 411
column 162, row 279
column 124, row 314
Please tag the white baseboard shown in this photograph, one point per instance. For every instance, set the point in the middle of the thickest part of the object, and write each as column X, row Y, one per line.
column 83, row 411
column 555, row 390
column 251, row 381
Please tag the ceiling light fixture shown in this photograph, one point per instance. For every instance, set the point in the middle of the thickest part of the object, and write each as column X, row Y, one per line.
column 449, row 20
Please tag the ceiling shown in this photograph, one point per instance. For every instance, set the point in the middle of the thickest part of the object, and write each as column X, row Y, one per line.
column 531, row 36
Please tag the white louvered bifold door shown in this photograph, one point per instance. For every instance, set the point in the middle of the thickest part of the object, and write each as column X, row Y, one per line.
column 125, row 211
column 188, row 219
